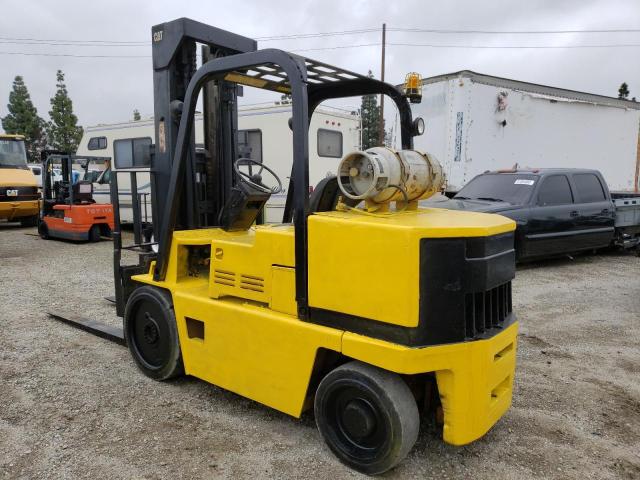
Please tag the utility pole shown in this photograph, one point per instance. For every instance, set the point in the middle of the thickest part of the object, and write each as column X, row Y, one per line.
column 381, row 127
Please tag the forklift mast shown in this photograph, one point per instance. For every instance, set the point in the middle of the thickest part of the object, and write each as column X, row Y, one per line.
column 174, row 64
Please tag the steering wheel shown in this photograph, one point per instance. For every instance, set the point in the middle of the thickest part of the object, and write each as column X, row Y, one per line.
column 255, row 179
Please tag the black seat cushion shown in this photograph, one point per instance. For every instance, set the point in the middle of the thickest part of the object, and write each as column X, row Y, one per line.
column 82, row 192
column 324, row 197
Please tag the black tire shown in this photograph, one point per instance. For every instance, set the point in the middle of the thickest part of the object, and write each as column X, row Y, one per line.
column 367, row 416
column 43, row 230
column 151, row 333
column 29, row 221
column 94, row 233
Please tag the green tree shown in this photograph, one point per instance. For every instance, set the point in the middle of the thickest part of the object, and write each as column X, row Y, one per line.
column 623, row 91
column 370, row 115
column 136, row 115
column 63, row 129
column 23, row 119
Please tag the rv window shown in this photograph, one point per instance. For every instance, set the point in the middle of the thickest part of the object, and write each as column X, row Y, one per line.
column 122, row 154
column 329, row 143
column 250, row 144
column 141, row 152
column 97, row 143
column 132, row 153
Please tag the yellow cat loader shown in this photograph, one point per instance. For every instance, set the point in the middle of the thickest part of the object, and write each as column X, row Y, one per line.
column 360, row 304
column 18, row 186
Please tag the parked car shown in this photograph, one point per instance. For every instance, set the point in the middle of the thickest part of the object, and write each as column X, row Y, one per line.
column 557, row 211
column 36, row 169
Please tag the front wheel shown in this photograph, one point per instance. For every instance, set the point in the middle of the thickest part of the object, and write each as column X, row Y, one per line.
column 151, row 333
column 367, row 416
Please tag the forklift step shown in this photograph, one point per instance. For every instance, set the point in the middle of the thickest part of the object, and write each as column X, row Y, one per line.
column 108, row 332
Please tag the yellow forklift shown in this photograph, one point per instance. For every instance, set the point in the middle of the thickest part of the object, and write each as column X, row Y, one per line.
column 359, row 304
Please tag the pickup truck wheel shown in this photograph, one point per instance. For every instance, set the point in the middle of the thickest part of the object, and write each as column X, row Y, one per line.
column 367, row 416
column 151, row 333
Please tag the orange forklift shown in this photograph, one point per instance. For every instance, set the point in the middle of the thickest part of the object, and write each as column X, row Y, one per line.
column 68, row 210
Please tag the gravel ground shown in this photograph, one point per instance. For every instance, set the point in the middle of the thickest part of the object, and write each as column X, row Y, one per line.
column 75, row 406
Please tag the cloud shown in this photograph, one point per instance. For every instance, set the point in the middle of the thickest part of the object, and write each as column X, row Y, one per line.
column 108, row 89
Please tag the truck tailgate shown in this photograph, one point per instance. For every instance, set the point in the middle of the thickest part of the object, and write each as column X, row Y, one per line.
column 627, row 209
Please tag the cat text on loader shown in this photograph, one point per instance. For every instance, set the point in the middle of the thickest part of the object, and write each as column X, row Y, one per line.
column 360, row 305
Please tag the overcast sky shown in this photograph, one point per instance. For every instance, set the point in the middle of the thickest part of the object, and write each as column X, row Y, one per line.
column 107, row 90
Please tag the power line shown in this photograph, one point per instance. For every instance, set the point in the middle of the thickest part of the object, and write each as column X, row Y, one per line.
column 617, row 45
column 315, row 35
column 513, row 32
column 56, row 44
column 338, row 47
column 30, row 54
column 135, row 43
column 97, row 42
column 34, row 54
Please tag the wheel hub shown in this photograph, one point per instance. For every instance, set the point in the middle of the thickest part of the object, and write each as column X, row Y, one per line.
column 150, row 330
column 358, row 418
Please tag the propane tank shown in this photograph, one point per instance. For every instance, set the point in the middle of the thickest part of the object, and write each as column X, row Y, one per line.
column 381, row 175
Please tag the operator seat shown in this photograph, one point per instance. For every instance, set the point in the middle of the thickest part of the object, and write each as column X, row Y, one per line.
column 83, row 192
column 324, row 197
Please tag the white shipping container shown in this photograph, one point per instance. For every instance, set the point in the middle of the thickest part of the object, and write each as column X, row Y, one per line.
column 477, row 122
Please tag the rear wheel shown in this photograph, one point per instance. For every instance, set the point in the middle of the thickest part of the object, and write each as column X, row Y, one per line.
column 367, row 416
column 94, row 233
column 43, row 230
column 29, row 221
column 151, row 333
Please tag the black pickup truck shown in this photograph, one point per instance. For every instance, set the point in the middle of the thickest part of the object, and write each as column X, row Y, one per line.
column 557, row 211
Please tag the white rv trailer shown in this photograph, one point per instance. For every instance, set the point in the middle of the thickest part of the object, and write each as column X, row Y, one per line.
column 264, row 128
column 477, row 122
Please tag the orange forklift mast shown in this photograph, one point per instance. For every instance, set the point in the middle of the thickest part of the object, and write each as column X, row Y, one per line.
column 68, row 210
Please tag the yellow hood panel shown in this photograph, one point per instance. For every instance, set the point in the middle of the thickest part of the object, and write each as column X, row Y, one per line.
column 16, row 177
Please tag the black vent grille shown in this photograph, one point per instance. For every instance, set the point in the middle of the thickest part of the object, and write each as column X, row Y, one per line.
column 486, row 310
